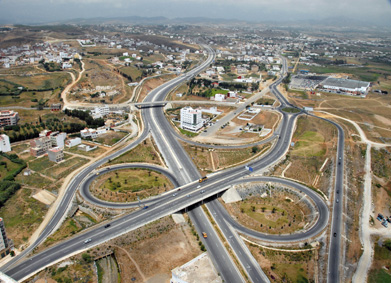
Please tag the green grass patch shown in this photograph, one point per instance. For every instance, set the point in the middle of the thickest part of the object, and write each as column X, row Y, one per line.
column 187, row 133
column 291, row 110
column 379, row 276
column 133, row 180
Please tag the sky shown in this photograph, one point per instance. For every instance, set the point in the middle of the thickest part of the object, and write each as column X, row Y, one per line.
column 41, row 11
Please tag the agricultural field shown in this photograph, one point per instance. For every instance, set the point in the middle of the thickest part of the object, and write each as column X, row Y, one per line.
column 129, row 184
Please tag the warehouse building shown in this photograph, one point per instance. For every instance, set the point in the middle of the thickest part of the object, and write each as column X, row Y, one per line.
column 345, row 86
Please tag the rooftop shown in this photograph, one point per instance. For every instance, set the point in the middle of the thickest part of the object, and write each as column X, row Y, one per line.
column 345, row 83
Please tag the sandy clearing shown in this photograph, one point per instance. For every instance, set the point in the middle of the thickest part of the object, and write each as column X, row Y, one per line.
column 383, row 120
column 45, row 197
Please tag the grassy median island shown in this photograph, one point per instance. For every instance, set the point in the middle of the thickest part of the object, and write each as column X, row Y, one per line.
column 279, row 214
column 128, row 184
column 144, row 152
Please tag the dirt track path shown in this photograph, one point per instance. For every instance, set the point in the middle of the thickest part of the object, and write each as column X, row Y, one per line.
column 134, row 262
column 74, row 81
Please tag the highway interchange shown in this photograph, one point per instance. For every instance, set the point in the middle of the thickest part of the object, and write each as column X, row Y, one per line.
column 183, row 174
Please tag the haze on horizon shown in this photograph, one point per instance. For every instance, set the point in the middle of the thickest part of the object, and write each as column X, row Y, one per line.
column 42, row 11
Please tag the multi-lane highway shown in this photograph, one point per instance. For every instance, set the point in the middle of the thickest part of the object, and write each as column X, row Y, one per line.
column 186, row 176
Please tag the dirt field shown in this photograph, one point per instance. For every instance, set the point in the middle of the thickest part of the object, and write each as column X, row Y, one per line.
column 315, row 141
column 110, row 137
column 154, row 250
column 268, row 119
column 281, row 213
column 127, row 185
column 151, row 84
column 372, row 112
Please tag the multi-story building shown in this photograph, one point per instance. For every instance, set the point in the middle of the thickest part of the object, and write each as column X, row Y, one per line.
column 8, row 118
column 73, row 142
column 92, row 133
column 56, row 154
column 5, row 145
column 40, row 146
column 5, row 243
column 191, row 119
column 58, row 139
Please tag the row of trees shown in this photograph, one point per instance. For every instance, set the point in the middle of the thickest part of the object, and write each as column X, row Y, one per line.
column 8, row 186
column 30, row 131
column 85, row 116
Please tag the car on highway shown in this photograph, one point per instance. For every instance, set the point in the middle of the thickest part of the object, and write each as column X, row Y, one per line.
column 335, row 234
column 203, row 191
column 199, row 186
column 188, row 196
column 174, row 194
column 145, row 207
column 204, row 235
column 87, row 241
column 107, row 225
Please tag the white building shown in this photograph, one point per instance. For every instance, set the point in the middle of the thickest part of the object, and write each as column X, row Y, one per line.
column 5, row 145
column 219, row 97
column 101, row 111
column 73, row 142
column 58, row 139
column 92, row 133
column 191, row 119
column 55, row 154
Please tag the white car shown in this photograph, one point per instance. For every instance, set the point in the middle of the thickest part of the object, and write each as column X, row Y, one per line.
column 87, row 241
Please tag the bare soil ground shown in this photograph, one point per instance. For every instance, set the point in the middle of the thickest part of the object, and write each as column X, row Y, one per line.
column 151, row 84
column 315, row 141
column 157, row 248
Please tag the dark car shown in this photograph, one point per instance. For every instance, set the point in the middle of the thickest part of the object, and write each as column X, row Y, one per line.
column 107, row 225
column 335, row 234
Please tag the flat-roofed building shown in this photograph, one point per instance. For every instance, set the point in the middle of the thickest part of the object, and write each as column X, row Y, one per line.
column 8, row 118
column 339, row 85
column 56, row 154
column 191, row 119
column 40, row 146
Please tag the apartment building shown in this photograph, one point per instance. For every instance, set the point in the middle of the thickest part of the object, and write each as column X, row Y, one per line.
column 40, row 146
column 8, row 118
column 56, row 154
